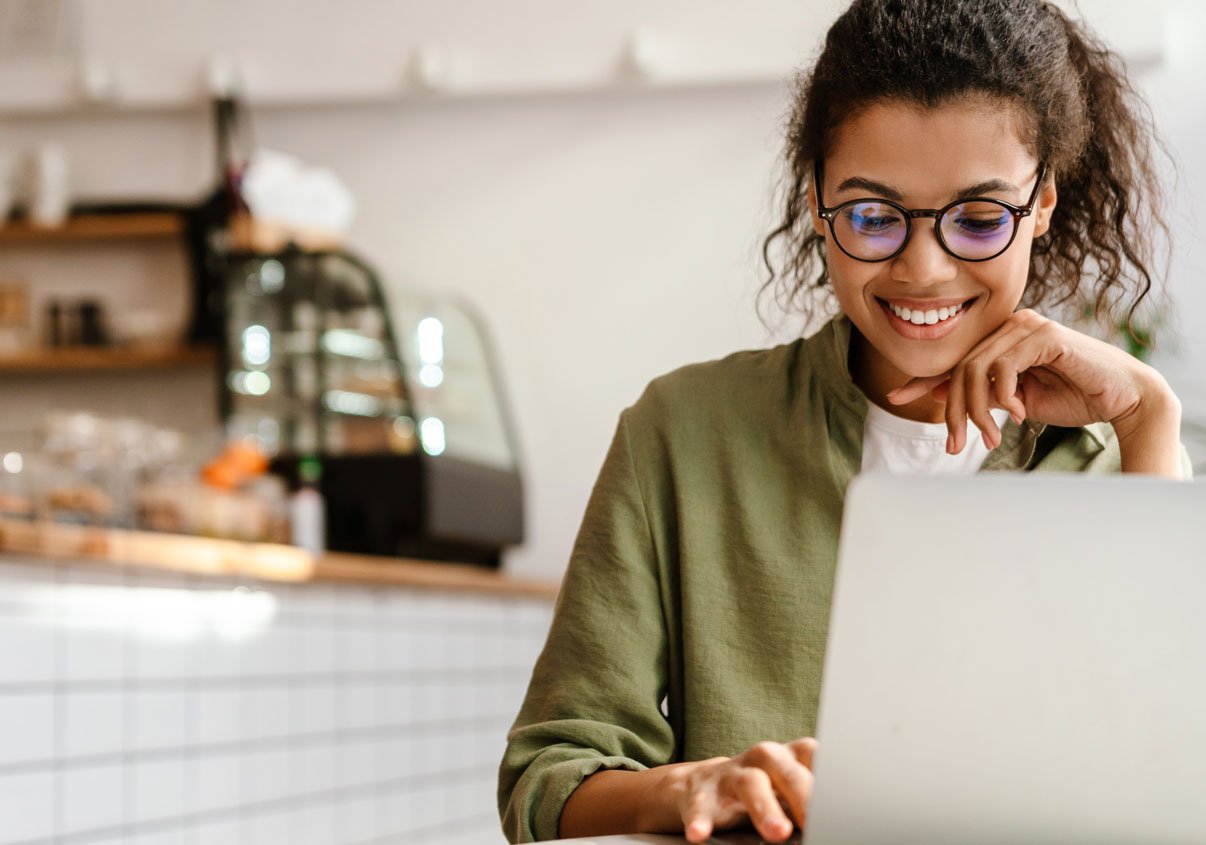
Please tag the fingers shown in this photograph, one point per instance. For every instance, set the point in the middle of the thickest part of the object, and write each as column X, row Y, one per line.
column 992, row 375
column 955, row 410
column 972, row 394
column 697, row 818
column 753, row 788
column 804, row 748
column 1005, row 383
column 764, row 784
column 976, row 396
column 788, row 774
column 915, row 389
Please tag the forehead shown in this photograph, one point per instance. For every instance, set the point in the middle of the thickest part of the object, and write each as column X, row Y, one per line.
column 925, row 153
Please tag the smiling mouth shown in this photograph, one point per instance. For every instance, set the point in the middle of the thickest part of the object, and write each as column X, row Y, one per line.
column 928, row 325
column 925, row 316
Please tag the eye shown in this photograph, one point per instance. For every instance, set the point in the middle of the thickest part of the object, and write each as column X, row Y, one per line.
column 979, row 218
column 872, row 218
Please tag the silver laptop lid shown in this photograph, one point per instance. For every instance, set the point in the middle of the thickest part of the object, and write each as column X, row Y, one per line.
column 1015, row 658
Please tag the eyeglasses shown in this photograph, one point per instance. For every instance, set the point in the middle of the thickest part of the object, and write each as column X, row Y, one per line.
column 873, row 229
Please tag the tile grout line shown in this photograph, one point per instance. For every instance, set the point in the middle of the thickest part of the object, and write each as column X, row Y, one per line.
column 332, row 737
column 464, row 675
column 247, row 810
column 128, row 702
column 59, row 646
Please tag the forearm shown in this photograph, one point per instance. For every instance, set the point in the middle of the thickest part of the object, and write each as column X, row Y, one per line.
column 618, row 801
column 1150, row 439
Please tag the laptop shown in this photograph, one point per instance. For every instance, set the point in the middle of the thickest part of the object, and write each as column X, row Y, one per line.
column 1015, row 658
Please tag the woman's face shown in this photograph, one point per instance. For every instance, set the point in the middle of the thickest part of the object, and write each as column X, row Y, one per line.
column 925, row 158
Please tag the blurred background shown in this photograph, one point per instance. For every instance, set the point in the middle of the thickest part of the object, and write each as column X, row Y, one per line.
column 369, row 280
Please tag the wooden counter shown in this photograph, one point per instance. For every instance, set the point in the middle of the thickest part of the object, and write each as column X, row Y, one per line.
column 263, row 561
column 95, row 227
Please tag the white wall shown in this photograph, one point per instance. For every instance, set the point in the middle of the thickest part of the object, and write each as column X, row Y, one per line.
column 608, row 234
column 1177, row 92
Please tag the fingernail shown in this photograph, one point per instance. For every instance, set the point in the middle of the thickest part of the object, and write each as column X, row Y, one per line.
column 950, row 444
column 1014, row 415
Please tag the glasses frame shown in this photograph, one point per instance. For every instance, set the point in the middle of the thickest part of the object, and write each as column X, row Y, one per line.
column 1017, row 212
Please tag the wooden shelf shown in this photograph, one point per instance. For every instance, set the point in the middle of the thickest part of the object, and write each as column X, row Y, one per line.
column 91, row 359
column 92, row 227
column 264, row 561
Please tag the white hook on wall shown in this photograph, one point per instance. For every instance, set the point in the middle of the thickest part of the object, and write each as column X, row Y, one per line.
column 222, row 77
column 97, row 82
column 432, row 67
column 644, row 54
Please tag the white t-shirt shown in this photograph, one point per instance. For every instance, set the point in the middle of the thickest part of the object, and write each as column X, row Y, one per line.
column 902, row 447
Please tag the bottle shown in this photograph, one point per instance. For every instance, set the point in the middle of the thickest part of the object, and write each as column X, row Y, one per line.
column 49, row 198
column 307, row 510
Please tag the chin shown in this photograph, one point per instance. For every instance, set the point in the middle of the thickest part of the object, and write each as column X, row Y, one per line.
column 926, row 368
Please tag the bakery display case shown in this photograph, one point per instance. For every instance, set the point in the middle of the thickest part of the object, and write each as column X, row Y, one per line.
column 398, row 402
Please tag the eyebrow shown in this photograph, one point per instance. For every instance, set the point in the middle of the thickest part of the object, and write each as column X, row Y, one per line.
column 990, row 186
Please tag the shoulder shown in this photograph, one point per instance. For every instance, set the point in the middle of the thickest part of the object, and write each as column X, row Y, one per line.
column 754, row 393
column 749, row 381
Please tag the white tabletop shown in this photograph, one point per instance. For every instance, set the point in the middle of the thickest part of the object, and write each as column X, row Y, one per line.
column 736, row 837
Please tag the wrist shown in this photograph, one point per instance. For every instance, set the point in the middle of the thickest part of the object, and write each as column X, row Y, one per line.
column 658, row 810
column 1158, row 409
column 1149, row 435
column 614, row 801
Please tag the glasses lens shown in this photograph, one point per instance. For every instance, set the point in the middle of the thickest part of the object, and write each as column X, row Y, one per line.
column 870, row 230
column 977, row 229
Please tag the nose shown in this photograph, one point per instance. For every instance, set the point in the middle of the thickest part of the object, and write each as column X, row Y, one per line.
column 924, row 261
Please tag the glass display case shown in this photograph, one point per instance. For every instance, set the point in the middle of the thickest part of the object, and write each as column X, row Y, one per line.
column 399, row 401
column 311, row 364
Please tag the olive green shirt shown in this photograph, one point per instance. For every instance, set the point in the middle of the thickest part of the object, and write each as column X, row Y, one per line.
column 703, row 568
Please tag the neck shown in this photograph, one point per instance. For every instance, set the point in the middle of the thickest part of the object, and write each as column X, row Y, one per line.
column 875, row 376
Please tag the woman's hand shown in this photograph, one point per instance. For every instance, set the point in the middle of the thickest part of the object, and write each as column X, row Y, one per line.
column 1035, row 367
column 762, row 784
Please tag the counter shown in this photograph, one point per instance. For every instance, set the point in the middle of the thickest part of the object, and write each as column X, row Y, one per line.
column 158, row 688
column 262, row 561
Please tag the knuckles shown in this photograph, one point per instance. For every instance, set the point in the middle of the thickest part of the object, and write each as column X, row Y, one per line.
column 763, row 753
column 1030, row 317
column 804, row 743
column 751, row 778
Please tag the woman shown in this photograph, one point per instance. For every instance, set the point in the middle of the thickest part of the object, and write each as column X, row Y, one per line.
column 950, row 161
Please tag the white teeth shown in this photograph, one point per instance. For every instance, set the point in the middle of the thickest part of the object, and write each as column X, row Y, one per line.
column 928, row 318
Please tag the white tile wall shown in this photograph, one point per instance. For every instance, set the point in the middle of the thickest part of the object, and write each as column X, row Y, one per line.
column 143, row 709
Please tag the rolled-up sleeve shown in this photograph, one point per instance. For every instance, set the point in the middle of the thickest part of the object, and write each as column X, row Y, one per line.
column 594, row 698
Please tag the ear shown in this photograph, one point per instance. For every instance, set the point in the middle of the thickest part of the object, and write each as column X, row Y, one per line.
column 818, row 225
column 1044, row 207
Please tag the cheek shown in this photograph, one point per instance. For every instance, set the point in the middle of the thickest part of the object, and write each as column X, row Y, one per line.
column 1005, row 282
column 849, row 279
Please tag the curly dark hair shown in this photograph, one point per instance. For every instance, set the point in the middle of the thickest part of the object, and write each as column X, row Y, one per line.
column 1077, row 111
